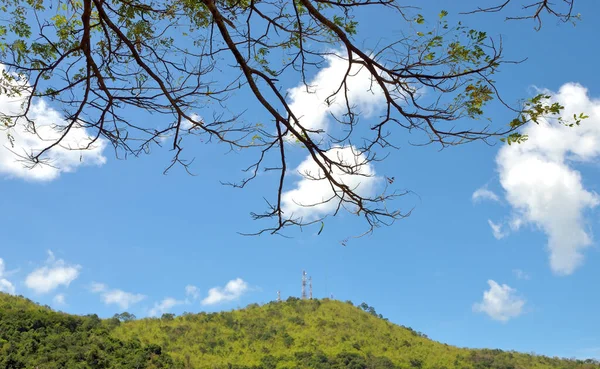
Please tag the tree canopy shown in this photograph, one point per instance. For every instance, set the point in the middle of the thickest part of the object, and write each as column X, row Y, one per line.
column 141, row 73
column 35, row 337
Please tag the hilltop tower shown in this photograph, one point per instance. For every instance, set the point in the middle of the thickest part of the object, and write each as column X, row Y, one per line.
column 278, row 296
column 310, row 287
column 303, row 285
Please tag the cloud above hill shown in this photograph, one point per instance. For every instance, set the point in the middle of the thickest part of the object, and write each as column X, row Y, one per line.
column 313, row 196
column 543, row 185
column 116, row 296
column 53, row 274
column 5, row 285
column 21, row 140
column 314, row 104
column 500, row 302
column 233, row 290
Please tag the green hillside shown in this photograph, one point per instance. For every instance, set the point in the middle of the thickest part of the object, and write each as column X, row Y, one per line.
column 319, row 334
column 35, row 337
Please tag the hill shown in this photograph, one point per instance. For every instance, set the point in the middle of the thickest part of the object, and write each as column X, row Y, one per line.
column 317, row 334
column 32, row 336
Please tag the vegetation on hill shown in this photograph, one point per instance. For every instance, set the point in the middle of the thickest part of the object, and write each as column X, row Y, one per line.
column 32, row 336
column 315, row 334
column 319, row 334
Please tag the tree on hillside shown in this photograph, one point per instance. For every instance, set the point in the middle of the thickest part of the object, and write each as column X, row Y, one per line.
column 137, row 74
column 124, row 317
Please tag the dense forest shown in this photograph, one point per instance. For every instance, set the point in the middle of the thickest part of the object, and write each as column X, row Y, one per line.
column 33, row 336
column 316, row 334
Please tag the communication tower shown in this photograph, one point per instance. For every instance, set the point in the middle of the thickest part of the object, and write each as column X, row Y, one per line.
column 303, row 285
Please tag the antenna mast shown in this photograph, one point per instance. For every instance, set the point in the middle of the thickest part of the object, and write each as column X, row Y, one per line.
column 303, row 285
column 278, row 296
column 310, row 286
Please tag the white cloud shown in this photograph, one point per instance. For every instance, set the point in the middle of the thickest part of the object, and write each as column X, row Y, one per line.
column 54, row 274
column 311, row 107
column 192, row 292
column 314, row 106
column 59, row 299
column 309, row 199
column 121, row 298
column 164, row 306
column 115, row 296
column 20, row 141
column 5, row 285
column 497, row 230
column 98, row 287
column 541, row 184
column 233, row 290
column 483, row 193
column 185, row 128
column 500, row 302
column 521, row 274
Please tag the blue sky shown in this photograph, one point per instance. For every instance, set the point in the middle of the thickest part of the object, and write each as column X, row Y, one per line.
column 119, row 235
